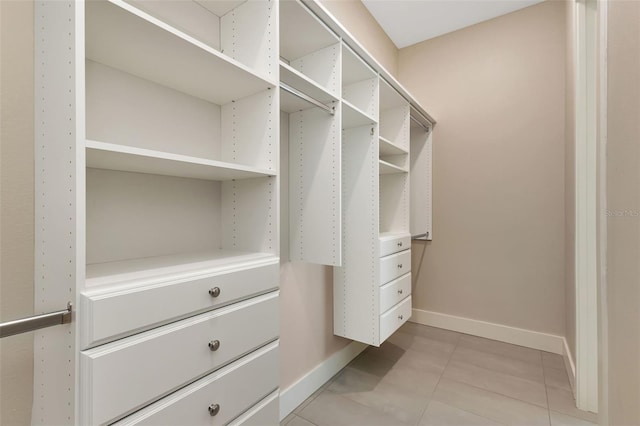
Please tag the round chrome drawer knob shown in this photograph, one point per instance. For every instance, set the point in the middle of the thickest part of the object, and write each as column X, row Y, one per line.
column 400, row 317
column 214, row 409
column 215, row 292
column 400, row 291
column 214, row 345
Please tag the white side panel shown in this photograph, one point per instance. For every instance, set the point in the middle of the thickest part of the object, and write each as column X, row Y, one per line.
column 363, row 95
column 134, row 215
column 395, row 124
column 421, row 182
column 226, row 388
column 249, row 34
column 123, row 376
column 315, row 187
column 250, row 130
column 250, row 215
column 127, row 110
column 264, row 413
column 323, row 67
column 356, row 289
column 59, row 202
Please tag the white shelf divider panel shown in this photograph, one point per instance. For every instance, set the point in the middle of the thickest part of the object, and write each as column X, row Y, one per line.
column 387, row 168
column 389, row 148
column 123, row 37
column 109, row 156
column 315, row 187
column 421, row 182
column 354, row 117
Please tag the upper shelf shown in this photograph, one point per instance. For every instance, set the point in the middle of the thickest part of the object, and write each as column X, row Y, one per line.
column 294, row 78
column 389, row 97
column 354, row 69
column 387, row 168
column 109, row 156
column 353, row 116
column 301, row 33
column 123, row 37
column 389, row 148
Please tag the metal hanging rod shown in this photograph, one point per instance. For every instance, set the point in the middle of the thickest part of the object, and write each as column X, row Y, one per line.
column 35, row 322
column 306, row 98
column 415, row 120
column 421, row 237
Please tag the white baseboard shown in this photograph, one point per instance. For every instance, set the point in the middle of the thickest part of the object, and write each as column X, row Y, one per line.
column 503, row 333
column 569, row 365
column 295, row 394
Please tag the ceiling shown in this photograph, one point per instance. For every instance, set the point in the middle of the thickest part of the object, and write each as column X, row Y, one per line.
column 411, row 21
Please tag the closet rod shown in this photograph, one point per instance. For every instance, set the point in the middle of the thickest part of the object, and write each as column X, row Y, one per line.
column 415, row 120
column 421, row 237
column 306, row 98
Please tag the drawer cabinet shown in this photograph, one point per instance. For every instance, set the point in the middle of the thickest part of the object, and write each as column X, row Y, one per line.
column 264, row 413
column 395, row 265
column 125, row 375
column 219, row 397
column 394, row 292
column 394, row 242
column 391, row 320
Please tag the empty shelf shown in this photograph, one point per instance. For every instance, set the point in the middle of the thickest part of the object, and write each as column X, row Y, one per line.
column 297, row 80
column 353, row 116
column 389, row 148
column 388, row 168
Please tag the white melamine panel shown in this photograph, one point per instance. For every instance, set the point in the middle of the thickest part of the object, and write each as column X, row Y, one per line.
column 136, row 215
column 164, row 55
column 394, row 126
column 389, row 148
column 394, row 318
column 363, row 95
column 169, row 288
column 356, row 283
column 421, row 182
column 219, row 7
column 394, row 202
column 129, row 159
column 250, row 215
column 387, row 168
column 249, row 34
column 227, row 388
column 315, row 187
column 290, row 103
column 250, row 130
column 393, row 292
column 389, row 97
column 128, row 110
column 354, row 69
column 323, row 67
column 301, row 32
column 394, row 265
column 264, row 413
column 296, row 79
column 186, row 16
column 393, row 242
column 352, row 116
column 130, row 373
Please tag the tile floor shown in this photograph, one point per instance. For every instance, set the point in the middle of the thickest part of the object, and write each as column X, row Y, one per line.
column 428, row 376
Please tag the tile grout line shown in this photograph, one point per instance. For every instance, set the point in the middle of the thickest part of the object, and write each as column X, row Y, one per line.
column 546, row 393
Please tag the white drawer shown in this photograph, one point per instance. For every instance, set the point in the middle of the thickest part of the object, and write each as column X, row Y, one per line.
column 123, row 310
column 391, row 320
column 233, row 389
column 395, row 265
column 264, row 413
column 394, row 242
column 125, row 375
column 393, row 292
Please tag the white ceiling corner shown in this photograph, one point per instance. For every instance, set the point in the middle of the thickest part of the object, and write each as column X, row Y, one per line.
column 408, row 22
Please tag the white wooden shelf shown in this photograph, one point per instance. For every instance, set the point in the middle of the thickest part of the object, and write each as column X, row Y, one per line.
column 172, row 266
column 220, row 8
column 123, row 37
column 389, row 148
column 101, row 155
column 294, row 78
column 388, row 168
column 352, row 116
column 301, row 33
column 353, row 68
column 384, row 236
column 389, row 97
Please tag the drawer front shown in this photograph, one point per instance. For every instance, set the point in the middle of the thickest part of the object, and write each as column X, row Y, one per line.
column 390, row 245
column 391, row 320
column 394, row 292
column 103, row 312
column 264, row 413
column 233, row 389
column 128, row 374
column 395, row 265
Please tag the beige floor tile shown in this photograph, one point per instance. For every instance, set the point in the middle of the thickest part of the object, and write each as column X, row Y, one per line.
column 500, row 348
column 314, row 395
column 433, row 333
column 382, row 396
column 561, row 401
column 488, row 404
column 504, row 384
column 499, row 363
column 421, row 344
column 287, row 419
column 299, row 421
column 389, row 355
column 422, row 382
column 439, row 414
column 330, row 409
column 558, row 419
column 552, row 360
column 557, row 378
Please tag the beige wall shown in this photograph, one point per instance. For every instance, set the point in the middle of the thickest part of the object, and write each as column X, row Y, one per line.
column 569, row 183
column 497, row 91
column 16, row 210
column 357, row 19
column 623, row 204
